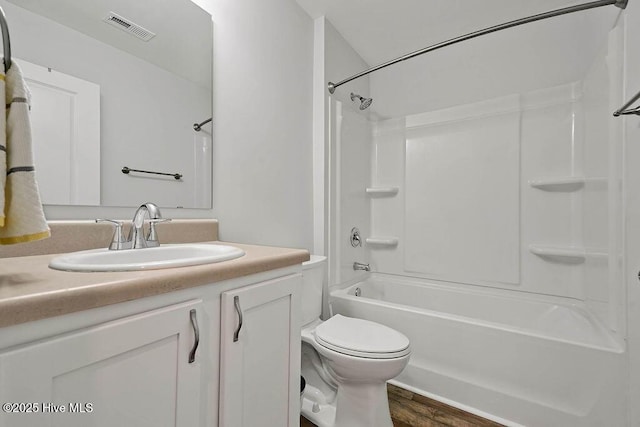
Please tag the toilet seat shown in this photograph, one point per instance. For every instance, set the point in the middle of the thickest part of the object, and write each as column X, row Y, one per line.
column 361, row 338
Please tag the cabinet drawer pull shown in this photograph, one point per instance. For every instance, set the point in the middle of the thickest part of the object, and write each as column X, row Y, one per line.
column 236, row 303
column 196, row 332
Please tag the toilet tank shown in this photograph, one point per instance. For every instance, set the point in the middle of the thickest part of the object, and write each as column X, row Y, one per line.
column 314, row 279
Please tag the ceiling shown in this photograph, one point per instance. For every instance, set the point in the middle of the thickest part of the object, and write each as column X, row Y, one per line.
column 183, row 50
column 380, row 30
column 539, row 55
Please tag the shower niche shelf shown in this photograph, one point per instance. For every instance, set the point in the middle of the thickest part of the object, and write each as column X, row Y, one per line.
column 382, row 191
column 567, row 254
column 387, row 242
column 562, row 183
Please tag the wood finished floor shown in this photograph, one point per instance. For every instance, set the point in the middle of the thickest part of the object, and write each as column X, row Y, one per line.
column 412, row 410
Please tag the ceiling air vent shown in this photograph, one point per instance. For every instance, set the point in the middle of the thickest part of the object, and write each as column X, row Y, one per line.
column 126, row 25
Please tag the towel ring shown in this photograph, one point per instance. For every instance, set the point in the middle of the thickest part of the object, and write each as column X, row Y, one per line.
column 6, row 42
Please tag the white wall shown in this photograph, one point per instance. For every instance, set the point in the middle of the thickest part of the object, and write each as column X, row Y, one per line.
column 262, row 142
column 631, row 188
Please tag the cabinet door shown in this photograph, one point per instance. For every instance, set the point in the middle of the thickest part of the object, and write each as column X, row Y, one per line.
column 260, row 370
column 130, row 372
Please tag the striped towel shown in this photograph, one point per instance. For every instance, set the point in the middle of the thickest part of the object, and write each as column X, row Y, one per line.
column 21, row 215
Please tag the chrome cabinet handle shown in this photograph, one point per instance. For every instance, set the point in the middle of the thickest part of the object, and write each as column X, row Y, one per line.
column 196, row 332
column 236, row 303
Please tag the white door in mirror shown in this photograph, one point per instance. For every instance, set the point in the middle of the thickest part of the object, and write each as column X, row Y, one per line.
column 65, row 122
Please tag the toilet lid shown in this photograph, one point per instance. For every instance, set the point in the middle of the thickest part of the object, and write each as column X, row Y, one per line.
column 361, row 338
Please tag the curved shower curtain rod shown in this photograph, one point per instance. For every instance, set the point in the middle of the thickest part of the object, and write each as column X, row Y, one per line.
column 618, row 3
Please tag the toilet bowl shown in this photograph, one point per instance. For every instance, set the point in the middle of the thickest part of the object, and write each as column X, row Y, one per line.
column 346, row 361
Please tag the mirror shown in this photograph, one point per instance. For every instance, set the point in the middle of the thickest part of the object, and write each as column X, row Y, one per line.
column 117, row 84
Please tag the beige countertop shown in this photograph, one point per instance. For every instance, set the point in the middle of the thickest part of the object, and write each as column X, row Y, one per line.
column 30, row 290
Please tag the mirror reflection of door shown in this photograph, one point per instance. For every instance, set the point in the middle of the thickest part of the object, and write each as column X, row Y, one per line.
column 65, row 125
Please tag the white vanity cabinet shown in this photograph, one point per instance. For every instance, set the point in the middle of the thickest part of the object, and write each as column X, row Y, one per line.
column 128, row 364
column 134, row 371
column 260, row 355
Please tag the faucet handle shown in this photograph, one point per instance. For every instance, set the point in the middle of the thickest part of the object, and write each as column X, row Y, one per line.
column 117, row 241
column 152, row 237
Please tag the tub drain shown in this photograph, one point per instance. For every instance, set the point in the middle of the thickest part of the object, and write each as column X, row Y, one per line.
column 358, row 292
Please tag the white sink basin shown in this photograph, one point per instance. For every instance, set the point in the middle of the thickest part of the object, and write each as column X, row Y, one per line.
column 165, row 256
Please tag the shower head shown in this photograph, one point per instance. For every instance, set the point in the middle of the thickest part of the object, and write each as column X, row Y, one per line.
column 364, row 102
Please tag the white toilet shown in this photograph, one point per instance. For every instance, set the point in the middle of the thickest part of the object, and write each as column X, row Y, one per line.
column 346, row 362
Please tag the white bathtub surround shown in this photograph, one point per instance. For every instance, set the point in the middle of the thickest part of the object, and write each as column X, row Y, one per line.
column 466, row 199
column 352, row 148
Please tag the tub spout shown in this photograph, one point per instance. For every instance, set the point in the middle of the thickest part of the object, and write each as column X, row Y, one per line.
column 361, row 266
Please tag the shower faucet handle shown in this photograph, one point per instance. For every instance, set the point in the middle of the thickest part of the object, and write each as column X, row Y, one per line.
column 355, row 238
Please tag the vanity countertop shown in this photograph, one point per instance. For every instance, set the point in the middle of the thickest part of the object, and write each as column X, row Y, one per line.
column 30, row 290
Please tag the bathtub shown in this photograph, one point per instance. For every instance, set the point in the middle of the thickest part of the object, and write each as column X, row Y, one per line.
column 507, row 356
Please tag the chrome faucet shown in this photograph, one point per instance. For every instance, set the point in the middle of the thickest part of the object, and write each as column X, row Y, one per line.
column 136, row 234
column 361, row 266
column 137, row 239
